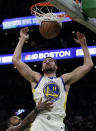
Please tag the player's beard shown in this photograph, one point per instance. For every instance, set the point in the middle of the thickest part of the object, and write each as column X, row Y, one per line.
column 49, row 70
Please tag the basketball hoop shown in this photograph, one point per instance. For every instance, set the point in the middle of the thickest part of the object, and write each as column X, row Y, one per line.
column 41, row 15
column 50, row 22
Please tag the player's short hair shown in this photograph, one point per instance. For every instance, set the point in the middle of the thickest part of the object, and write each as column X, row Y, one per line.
column 52, row 59
column 8, row 122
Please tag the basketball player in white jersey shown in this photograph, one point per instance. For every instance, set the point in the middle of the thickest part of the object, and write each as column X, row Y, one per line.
column 50, row 86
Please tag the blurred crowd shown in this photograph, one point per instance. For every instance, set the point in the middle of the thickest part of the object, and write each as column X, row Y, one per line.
column 80, row 123
column 81, row 112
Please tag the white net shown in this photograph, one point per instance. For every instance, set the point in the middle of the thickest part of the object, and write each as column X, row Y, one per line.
column 50, row 16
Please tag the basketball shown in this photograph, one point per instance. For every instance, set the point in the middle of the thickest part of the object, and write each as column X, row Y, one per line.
column 49, row 29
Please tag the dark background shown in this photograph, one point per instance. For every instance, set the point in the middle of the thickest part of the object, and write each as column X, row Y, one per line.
column 15, row 91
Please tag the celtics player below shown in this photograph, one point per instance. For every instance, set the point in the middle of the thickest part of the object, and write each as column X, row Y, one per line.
column 50, row 86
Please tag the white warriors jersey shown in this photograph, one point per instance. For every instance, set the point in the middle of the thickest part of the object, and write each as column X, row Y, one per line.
column 52, row 87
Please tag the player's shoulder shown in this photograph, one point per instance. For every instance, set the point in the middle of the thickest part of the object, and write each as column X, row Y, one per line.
column 10, row 129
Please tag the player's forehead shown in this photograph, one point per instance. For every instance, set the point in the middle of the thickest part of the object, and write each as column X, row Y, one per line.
column 15, row 117
column 49, row 59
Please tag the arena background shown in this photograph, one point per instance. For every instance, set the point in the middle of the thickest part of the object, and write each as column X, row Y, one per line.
column 15, row 91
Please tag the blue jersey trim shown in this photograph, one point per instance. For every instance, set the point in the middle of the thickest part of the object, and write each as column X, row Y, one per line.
column 52, row 77
column 38, row 83
column 63, row 84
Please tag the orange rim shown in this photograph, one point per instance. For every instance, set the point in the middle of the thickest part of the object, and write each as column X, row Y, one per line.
column 42, row 4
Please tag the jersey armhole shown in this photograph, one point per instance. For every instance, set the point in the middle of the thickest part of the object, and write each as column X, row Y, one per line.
column 63, row 84
column 38, row 83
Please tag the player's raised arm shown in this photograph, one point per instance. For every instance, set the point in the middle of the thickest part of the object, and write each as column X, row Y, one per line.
column 81, row 71
column 42, row 106
column 23, row 68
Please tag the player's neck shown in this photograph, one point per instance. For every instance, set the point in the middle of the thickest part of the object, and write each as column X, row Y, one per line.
column 50, row 75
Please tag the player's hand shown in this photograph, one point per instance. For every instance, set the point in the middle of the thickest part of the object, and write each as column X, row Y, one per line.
column 23, row 33
column 81, row 39
column 45, row 105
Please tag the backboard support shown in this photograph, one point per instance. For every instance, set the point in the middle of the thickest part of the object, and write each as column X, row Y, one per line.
column 72, row 9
